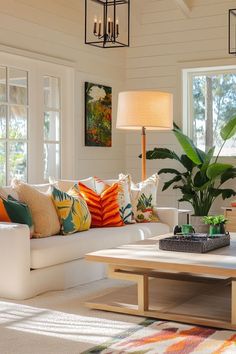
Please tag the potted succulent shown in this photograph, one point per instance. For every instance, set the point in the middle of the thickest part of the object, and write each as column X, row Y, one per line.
column 201, row 176
column 216, row 224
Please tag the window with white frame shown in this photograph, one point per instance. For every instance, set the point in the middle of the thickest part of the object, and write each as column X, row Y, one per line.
column 13, row 123
column 210, row 101
column 34, row 98
column 52, row 117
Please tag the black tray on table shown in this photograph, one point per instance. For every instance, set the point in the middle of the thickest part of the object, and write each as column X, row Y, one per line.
column 194, row 243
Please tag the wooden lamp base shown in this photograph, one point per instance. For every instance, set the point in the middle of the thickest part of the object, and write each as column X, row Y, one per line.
column 144, row 170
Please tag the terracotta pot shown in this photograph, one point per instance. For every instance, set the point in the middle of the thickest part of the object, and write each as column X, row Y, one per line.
column 198, row 224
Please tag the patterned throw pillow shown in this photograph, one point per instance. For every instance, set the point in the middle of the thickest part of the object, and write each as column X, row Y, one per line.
column 45, row 219
column 11, row 210
column 72, row 211
column 124, row 198
column 143, row 197
column 104, row 207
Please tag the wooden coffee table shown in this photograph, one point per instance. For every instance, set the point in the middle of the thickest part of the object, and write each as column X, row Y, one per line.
column 186, row 287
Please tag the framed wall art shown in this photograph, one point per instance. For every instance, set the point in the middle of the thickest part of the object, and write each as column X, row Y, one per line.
column 98, row 115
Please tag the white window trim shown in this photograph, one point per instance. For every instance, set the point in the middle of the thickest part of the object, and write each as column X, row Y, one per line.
column 36, row 109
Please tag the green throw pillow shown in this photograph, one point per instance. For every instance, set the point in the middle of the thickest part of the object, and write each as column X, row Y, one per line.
column 18, row 212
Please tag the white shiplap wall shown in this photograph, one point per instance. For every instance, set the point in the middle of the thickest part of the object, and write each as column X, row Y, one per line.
column 165, row 41
column 53, row 30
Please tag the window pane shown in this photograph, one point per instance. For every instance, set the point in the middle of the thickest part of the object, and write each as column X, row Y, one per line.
column 214, row 103
column 51, row 161
column 199, row 124
column 51, row 92
column 2, row 164
column 51, row 126
column 3, row 116
column 3, row 91
column 18, row 160
column 18, row 81
column 18, row 122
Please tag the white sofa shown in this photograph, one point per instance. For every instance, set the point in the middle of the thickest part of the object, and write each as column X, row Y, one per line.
column 29, row 267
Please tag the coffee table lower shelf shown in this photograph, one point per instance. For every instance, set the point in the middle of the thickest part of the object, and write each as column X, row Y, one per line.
column 192, row 300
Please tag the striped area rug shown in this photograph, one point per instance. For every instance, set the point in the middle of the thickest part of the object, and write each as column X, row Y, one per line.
column 157, row 337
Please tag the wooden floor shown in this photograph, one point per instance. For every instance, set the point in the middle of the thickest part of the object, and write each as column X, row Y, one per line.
column 195, row 302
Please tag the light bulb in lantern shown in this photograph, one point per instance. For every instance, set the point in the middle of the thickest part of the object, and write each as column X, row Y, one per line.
column 100, row 28
column 117, row 27
column 109, row 25
column 95, row 25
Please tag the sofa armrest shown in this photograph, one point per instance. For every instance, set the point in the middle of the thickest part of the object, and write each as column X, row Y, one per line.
column 168, row 216
column 14, row 259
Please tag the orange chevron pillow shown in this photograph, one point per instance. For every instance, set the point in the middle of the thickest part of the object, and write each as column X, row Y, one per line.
column 104, row 207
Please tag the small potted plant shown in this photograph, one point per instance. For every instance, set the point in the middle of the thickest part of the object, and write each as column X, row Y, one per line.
column 216, row 224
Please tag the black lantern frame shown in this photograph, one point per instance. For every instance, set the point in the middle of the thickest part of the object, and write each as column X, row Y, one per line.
column 232, row 31
column 108, row 37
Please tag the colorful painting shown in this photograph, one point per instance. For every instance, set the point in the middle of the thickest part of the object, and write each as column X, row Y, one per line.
column 98, row 115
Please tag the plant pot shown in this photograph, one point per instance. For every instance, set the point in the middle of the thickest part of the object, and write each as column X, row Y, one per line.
column 198, row 224
column 222, row 229
column 214, row 230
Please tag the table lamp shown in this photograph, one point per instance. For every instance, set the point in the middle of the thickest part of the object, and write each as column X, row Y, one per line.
column 145, row 110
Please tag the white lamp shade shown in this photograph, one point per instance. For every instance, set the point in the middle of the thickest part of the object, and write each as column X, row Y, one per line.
column 150, row 109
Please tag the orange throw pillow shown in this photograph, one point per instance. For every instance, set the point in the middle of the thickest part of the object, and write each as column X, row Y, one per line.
column 104, row 208
column 3, row 213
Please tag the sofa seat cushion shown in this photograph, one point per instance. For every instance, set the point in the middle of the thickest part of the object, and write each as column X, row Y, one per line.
column 54, row 250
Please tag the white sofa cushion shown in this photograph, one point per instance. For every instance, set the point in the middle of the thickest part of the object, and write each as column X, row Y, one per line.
column 59, row 249
column 65, row 185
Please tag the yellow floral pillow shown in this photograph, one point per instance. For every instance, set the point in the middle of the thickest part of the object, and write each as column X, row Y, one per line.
column 72, row 211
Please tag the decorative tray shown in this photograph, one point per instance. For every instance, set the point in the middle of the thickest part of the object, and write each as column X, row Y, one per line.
column 194, row 243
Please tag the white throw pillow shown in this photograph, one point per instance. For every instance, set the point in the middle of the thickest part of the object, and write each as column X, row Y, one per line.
column 6, row 191
column 143, row 199
column 65, row 184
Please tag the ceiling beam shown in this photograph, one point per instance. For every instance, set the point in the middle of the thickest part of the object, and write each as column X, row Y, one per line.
column 184, row 6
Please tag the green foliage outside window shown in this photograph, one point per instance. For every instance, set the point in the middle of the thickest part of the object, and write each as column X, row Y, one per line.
column 213, row 104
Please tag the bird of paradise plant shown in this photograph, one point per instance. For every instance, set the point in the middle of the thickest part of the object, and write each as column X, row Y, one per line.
column 203, row 175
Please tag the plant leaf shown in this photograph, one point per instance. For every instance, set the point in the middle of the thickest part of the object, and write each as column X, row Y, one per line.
column 229, row 129
column 217, row 169
column 176, row 126
column 231, row 173
column 204, row 187
column 161, row 153
column 226, row 193
column 200, row 179
column 169, row 183
column 187, row 163
column 169, row 170
column 202, row 154
column 188, row 147
column 207, row 159
column 186, row 198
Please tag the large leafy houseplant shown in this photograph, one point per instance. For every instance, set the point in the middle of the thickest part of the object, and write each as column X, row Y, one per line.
column 201, row 176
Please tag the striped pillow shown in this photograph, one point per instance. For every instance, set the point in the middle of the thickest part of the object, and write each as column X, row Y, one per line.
column 104, row 207
column 124, row 195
